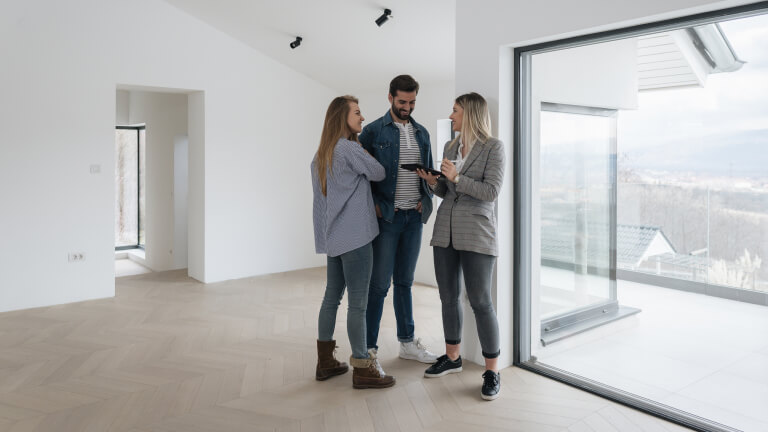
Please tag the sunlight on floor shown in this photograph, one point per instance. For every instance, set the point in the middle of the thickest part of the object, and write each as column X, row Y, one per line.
column 126, row 267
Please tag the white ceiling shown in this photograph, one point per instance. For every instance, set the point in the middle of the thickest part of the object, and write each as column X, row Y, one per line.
column 342, row 47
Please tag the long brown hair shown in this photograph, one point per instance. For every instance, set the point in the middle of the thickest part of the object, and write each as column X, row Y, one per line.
column 476, row 123
column 335, row 127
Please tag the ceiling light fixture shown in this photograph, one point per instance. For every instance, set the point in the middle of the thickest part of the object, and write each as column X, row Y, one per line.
column 384, row 17
column 296, row 43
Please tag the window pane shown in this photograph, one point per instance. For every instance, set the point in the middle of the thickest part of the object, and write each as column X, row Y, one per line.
column 690, row 228
column 126, row 192
column 575, row 193
column 663, row 227
column 142, row 185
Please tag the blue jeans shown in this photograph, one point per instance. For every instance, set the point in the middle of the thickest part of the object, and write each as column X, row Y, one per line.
column 353, row 271
column 395, row 251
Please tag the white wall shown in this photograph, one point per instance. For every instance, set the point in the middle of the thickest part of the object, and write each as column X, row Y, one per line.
column 485, row 32
column 180, row 195
column 122, row 107
column 165, row 117
column 434, row 102
column 61, row 65
column 598, row 76
column 196, row 186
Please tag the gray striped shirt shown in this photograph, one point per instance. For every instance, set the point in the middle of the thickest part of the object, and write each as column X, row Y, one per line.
column 345, row 218
column 408, row 189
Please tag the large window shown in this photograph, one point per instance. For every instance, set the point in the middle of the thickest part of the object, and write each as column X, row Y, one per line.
column 130, row 207
column 641, row 209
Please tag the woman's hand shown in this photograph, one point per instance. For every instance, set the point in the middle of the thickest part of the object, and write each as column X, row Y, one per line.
column 448, row 169
column 431, row 179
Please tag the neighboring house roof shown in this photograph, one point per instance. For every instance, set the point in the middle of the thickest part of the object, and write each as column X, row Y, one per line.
column 685, row 261
column 633, row 242
column 684, row 57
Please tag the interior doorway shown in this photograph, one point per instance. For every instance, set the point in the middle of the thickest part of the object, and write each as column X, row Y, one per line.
column 151, row 181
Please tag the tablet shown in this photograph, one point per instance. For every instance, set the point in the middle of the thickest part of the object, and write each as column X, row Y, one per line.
column 414, row 167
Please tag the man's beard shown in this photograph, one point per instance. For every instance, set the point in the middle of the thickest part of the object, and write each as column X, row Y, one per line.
column 398, row 115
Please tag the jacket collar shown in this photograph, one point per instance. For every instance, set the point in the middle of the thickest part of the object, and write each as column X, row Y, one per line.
column 388, row 121
column 473, row 154
column 453, row 153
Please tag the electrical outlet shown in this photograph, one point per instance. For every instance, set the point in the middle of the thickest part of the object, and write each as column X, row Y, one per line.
column 76, row 256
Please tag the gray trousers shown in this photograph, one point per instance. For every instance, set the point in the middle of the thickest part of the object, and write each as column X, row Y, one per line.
column 477, row 269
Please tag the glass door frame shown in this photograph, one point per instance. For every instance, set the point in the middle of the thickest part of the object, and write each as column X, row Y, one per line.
column 522, row 220
column 566, row 324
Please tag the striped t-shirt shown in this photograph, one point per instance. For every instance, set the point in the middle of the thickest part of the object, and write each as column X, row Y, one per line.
column 407, row 191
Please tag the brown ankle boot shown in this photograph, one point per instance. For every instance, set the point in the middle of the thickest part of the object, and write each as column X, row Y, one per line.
column 368, row 373
column 327, row 365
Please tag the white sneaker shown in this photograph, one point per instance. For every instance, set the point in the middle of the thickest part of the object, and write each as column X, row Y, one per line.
column 373, row 353
column 415, row 350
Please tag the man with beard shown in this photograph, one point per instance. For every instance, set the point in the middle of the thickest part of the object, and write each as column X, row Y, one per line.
column 403, row 203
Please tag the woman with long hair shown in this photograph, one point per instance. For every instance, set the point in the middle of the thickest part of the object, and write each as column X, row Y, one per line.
column 344, row 221
column 464, row 238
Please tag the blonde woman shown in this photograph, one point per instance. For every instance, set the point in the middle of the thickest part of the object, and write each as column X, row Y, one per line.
column 464, row 239
column 345, row 224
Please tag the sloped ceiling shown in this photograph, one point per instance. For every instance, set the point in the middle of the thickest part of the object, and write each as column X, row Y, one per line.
column 342, row 47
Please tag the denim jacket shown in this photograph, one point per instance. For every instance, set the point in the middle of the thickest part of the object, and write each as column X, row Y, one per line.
column 381, row 138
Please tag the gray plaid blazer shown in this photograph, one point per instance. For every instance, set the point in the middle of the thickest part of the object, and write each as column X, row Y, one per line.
column 466, row 216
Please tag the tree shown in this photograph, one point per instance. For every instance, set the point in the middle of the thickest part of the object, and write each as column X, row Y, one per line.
column 740, row 273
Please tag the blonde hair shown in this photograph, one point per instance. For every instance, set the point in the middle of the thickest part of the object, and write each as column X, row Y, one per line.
column 476, row 120
column 335, row 127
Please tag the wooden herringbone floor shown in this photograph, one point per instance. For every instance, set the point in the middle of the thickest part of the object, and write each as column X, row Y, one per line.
column 170, row 354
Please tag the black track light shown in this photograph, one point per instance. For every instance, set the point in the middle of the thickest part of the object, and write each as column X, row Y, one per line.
column 384, row 17
column 296, row 43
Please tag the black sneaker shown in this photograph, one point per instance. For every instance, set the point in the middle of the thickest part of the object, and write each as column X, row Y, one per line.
column 443, row 366
column 491, row 385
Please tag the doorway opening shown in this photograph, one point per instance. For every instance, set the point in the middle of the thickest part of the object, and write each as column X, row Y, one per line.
column 151, row 181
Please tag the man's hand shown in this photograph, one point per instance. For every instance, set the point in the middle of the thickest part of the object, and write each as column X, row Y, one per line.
column 418, row 207
column 378, row 211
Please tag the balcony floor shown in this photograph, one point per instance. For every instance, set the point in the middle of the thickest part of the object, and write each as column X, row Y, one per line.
column 704, row 355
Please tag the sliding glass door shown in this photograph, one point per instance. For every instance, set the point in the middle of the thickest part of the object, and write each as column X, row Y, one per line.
column 577, row 200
